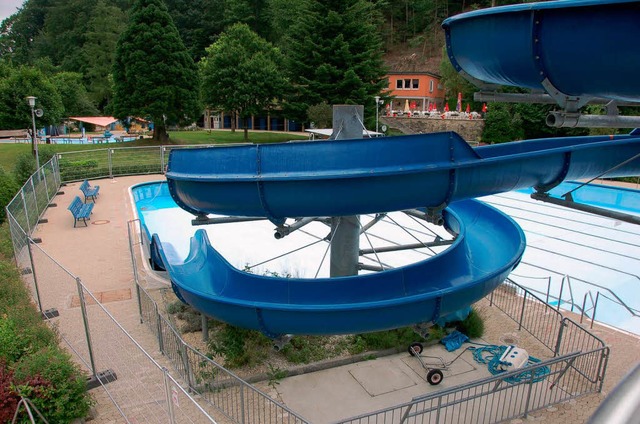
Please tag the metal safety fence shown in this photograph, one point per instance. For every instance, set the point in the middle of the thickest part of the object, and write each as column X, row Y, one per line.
column 576, row 368
column 204, row 387
column 116, row 161
column 238, row 400
column 120, row 372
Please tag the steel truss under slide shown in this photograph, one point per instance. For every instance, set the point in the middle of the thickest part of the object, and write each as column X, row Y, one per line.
column 436, row 173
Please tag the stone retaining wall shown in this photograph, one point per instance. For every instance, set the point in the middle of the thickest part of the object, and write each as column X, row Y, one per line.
column 469, row 129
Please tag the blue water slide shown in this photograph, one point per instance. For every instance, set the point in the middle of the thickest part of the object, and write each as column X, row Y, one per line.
column 358, row 176
column 576, row 48
column 421, row 292
column 580, row 47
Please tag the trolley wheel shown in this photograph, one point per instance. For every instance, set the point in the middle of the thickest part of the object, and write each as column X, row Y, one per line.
column 415, row 349
column 435, row 377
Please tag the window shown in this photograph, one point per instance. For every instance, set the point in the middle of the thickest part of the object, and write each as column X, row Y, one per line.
column 407, row 84
column 415, row 84
column 399, row 84
column 431, row 86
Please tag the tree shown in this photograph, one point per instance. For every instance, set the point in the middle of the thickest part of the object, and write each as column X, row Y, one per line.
column 154, row 75
column 454, row 83
column 241, row 73
column 15, row 86
column 335, row 55
column 74, row 95
column 98, row 51
column 198, row 21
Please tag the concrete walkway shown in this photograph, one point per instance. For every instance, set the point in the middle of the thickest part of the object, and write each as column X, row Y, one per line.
column 99, row 255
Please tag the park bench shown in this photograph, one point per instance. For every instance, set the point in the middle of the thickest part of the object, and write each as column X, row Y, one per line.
column 89, row 191
column 15, row 135
column 80, row 211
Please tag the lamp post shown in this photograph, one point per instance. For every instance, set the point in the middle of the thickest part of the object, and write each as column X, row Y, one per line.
column 377, row 104
column 32, row 103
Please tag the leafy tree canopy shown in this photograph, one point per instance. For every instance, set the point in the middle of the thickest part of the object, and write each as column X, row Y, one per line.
column 335, row 55
column 15, row 86
column 241, row 73
column 153, row 74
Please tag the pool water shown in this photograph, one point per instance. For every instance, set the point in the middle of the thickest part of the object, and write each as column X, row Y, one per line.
column 570, row 254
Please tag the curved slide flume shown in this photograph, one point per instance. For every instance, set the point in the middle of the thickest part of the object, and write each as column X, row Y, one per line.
column 575, row 47
column 421, row 292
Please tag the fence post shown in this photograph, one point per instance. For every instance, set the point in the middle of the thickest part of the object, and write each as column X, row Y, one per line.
column 33, row 272
column 110, row 161
column 242, row 402
column 55, row 165
column 595, row 307
column 46, row 188
column 26, row 211
column 35, row 197
column 563, row 324
column 187, row 365
column 167, row 389
column 85, row 319
column 162, row 148
column 526, row 406
column 524, row 303
column 134, row 264
column 159, row 328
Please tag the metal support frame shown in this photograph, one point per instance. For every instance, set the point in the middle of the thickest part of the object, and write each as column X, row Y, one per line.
column 576, row 119
column 205, row 220
column 411, row 246
column 620, row 216
column 285, row 230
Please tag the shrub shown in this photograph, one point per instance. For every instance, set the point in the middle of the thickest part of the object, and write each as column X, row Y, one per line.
column 398, row 338
column 302, row 350
column 239, row 346
column 24, row 167
column 472, row 326
column 54, row 384
column 8, row 397
column 8, row 189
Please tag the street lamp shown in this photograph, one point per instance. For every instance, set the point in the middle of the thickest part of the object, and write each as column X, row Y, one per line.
column 32, row 103
column 377, row 104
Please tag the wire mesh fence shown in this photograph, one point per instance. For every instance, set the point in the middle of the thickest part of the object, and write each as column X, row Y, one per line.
column 496, row 399
column 117, row 161
column 139, row 387
column 239, row 401
column 144, row 391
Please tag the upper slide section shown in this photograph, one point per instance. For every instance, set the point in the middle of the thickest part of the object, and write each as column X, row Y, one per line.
column 358, row 176
column 581, row 47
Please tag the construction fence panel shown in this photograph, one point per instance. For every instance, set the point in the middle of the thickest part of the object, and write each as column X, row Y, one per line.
column 87, row 164
column 125, row 374
column 136, row 160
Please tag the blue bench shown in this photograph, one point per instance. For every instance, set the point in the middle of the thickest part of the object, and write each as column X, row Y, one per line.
column 89, row 191
column 80, row 211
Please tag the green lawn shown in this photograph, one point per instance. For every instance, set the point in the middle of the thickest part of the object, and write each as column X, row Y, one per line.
column 10, row 151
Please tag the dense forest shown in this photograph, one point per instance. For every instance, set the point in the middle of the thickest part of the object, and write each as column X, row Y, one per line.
column 80, row 36
column 333, row 51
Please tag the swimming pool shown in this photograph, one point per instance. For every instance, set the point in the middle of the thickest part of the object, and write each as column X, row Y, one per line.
column 569, row 253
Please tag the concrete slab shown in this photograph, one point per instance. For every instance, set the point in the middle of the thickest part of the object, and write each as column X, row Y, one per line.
column 330, row 395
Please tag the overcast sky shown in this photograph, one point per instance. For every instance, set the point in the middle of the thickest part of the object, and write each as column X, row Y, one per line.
column 8, row 8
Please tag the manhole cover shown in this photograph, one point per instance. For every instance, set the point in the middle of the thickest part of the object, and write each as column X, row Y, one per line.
column 101, row 222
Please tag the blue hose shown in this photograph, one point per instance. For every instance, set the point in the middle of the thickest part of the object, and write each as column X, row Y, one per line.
column 491, row 354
